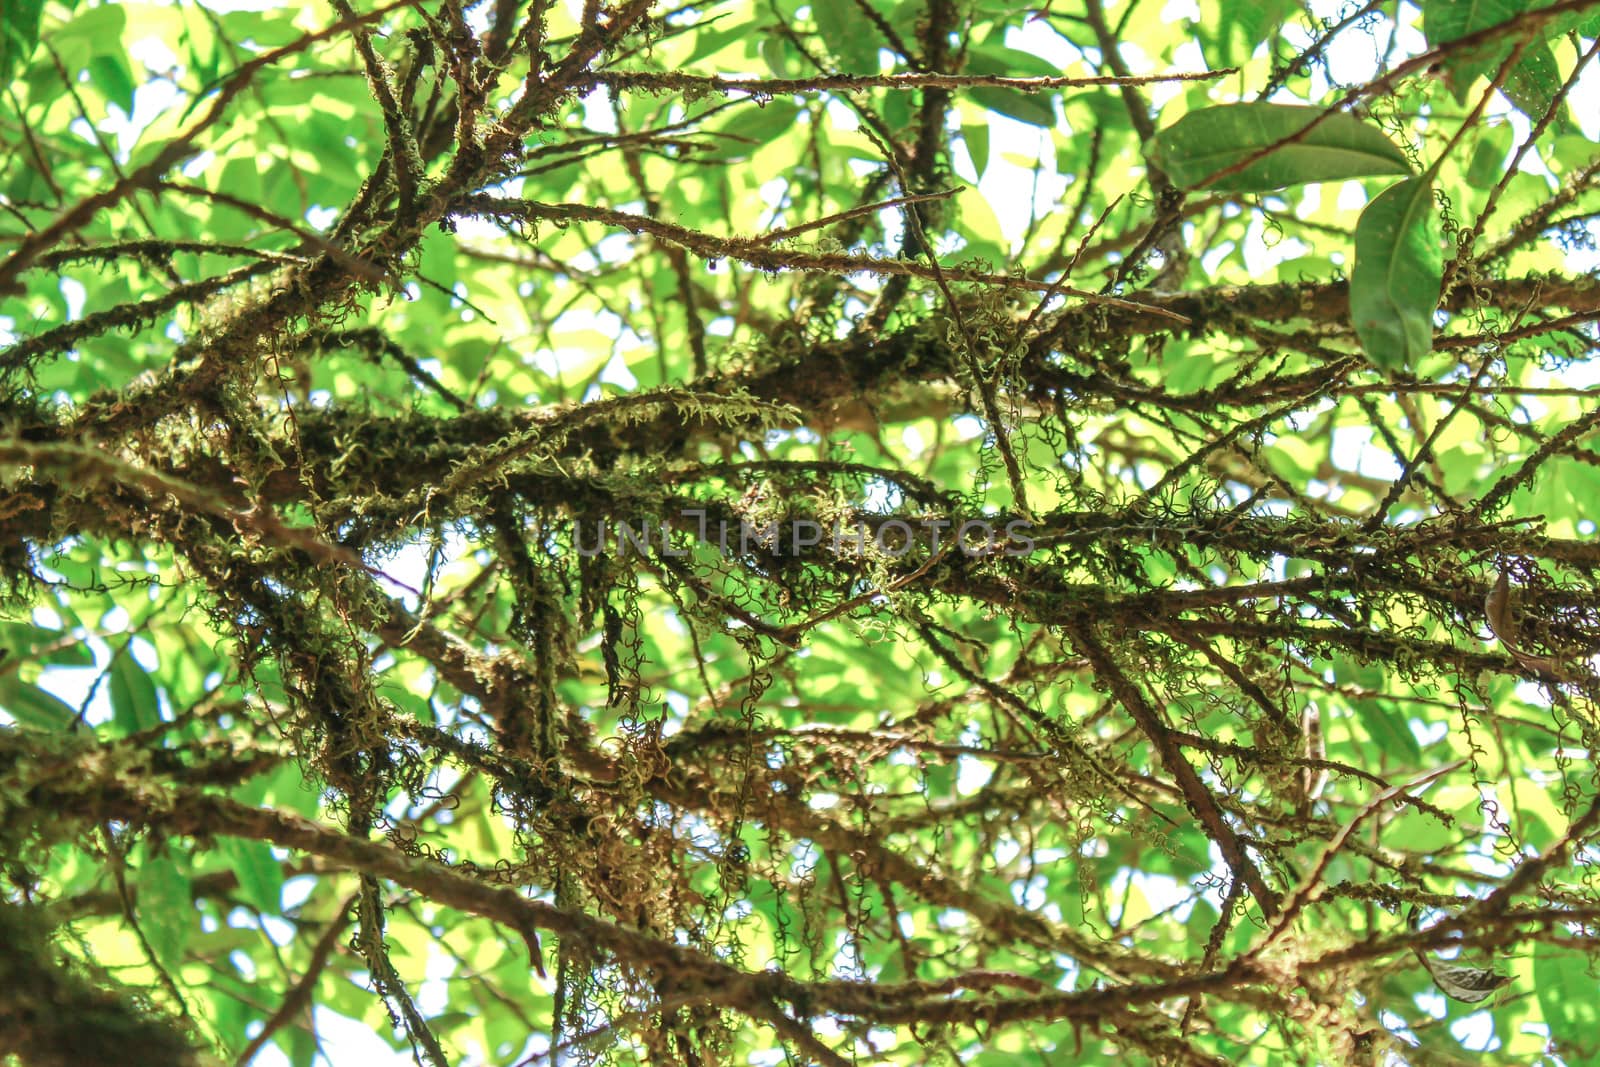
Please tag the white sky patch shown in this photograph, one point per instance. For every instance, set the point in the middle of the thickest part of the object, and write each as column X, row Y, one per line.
column 1354, row 449
column 73, row 292
column 972, row 775
column 913, row 441
column 1213, row 259
column 1177, row 10
column 1352, row 196
column 880, row 497
column 1353, row 56
column 968, row 426
column 774, row 192
column 1585, row 100
column 840, row 117
column 473, row 228
column 1260, row 259
column 598, row 117
column 1137, row 59
column 151, row 96
column 196, row 166
column 347, row 1040
column 409, row 566
column 1476, row 1032
column 1162, row 891
column 616, row 373
column 1038, row 37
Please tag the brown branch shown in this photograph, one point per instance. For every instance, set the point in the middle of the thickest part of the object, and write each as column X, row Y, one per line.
column 299, row 996
column 1201, row 804
column 755, row 252
column 846, row 83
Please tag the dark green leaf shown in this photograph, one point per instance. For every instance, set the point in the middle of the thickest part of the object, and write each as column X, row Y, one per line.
column 29, row 642
column 165, row 909
column 715, row 34
column 96, row 31
column 850, row 38
column 1032, row 108
column 1399, row 265
column 752, row 126
column 1106, row 108
column 32, row 706
column 778, row 53
column 260, row 876
column 134, row 706
column 110, row 75
column 1444, row 21
column 997, row 59
column 1207, row 142
column 1388, row 727
column 1533, row 83
column 1240, row 29
column 19, row 33
column 1489, row 157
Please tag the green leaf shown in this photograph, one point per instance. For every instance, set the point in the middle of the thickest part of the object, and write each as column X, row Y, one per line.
column 1032, row 108
column 26, row 183
column 1239, row 29
column 847, row 34
column 1489, row 157
column 19, row 33
column 32, row 706
column 26, row 641
column 752, row 127
column 134, row 706
column 713, row 38
column 1388, row 728
column 976, row 137
column 1566, row 998
column 165, row 909
column 1413, row 830
column 260, row 876
column 1106, row 109
column 109, row 74
column 1534, row 82
column 203, row 50
column 96, row 32
column 1206, row 142
column 995, row 58
column 299, row 1045
column 1444, row 21
column 777, row 52
column 1394, row 284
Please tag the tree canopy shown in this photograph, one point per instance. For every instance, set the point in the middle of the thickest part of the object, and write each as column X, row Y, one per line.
column 811, row 531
